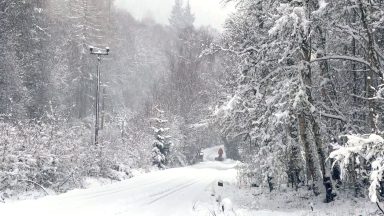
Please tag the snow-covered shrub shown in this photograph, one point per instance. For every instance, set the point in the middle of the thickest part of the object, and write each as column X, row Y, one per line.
column 177, row 155
column 41, row 154
column 59, row 154
column 226, row 205
column 371, row 149
column 124, row 144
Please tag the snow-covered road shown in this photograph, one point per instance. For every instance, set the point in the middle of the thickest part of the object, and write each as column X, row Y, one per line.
column 180, row 191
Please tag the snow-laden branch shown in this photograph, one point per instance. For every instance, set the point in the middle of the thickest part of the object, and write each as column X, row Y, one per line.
column 347, row 58
column 226, row 107
column 371, row 149
column 337, row 117
column 42, row 30
column 360, row 38
column 341, row 57
column 37, row 184
column 218, row 48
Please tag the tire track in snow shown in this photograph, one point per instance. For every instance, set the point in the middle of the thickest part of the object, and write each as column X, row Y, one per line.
column 166, row 193
column 124, row 189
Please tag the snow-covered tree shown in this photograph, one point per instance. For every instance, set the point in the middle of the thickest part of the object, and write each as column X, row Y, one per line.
column 365, row 154
column 181, row 17
column 303, row 73
column 162, row 142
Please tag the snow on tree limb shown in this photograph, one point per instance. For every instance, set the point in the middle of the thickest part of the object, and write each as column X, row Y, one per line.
column 371, row 148
column 347, row 58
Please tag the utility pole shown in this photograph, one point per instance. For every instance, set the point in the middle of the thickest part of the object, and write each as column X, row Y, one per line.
column 99, row 53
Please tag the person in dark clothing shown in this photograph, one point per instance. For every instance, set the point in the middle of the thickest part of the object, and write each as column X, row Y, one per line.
column 220, row 152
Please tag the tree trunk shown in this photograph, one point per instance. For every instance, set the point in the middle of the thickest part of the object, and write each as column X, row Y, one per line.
column 294, row 153
column 370, row 76
column 309, row 157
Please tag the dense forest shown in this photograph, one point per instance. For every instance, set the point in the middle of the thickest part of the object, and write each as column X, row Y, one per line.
column 305, row 95
column 292, row 88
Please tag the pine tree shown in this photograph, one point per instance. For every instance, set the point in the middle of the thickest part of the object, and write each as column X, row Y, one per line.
column 188, row 17
column 176, row 18
column 162, row 142
column 181, row 17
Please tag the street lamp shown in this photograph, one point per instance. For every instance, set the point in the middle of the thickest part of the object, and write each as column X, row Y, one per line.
column 99, row 53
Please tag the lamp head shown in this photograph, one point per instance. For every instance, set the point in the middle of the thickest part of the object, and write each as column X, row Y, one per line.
column 107, row 48
column 91, row 49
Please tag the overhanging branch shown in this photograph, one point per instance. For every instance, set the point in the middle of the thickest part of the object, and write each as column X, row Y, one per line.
column 346, row 58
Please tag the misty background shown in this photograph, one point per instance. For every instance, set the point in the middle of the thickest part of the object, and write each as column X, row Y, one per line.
column 207, row 13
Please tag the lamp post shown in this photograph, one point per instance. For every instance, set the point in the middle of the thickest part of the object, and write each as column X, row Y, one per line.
column 99, row 53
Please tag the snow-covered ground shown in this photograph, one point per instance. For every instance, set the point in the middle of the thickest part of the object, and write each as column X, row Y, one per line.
column 174, row 192
column 180, row 191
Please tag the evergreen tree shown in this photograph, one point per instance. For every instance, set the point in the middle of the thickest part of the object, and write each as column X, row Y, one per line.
column 162, row 142
column 181, row 17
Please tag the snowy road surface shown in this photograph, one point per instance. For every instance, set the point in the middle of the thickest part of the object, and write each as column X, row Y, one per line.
column 173, row 192
column 180, row 191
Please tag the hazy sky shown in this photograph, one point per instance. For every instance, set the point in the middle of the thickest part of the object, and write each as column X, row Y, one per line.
column 207, row 12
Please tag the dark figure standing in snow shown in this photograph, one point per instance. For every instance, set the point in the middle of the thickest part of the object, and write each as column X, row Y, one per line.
column 336, row 173
column 220, row 152
column 329, row 196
